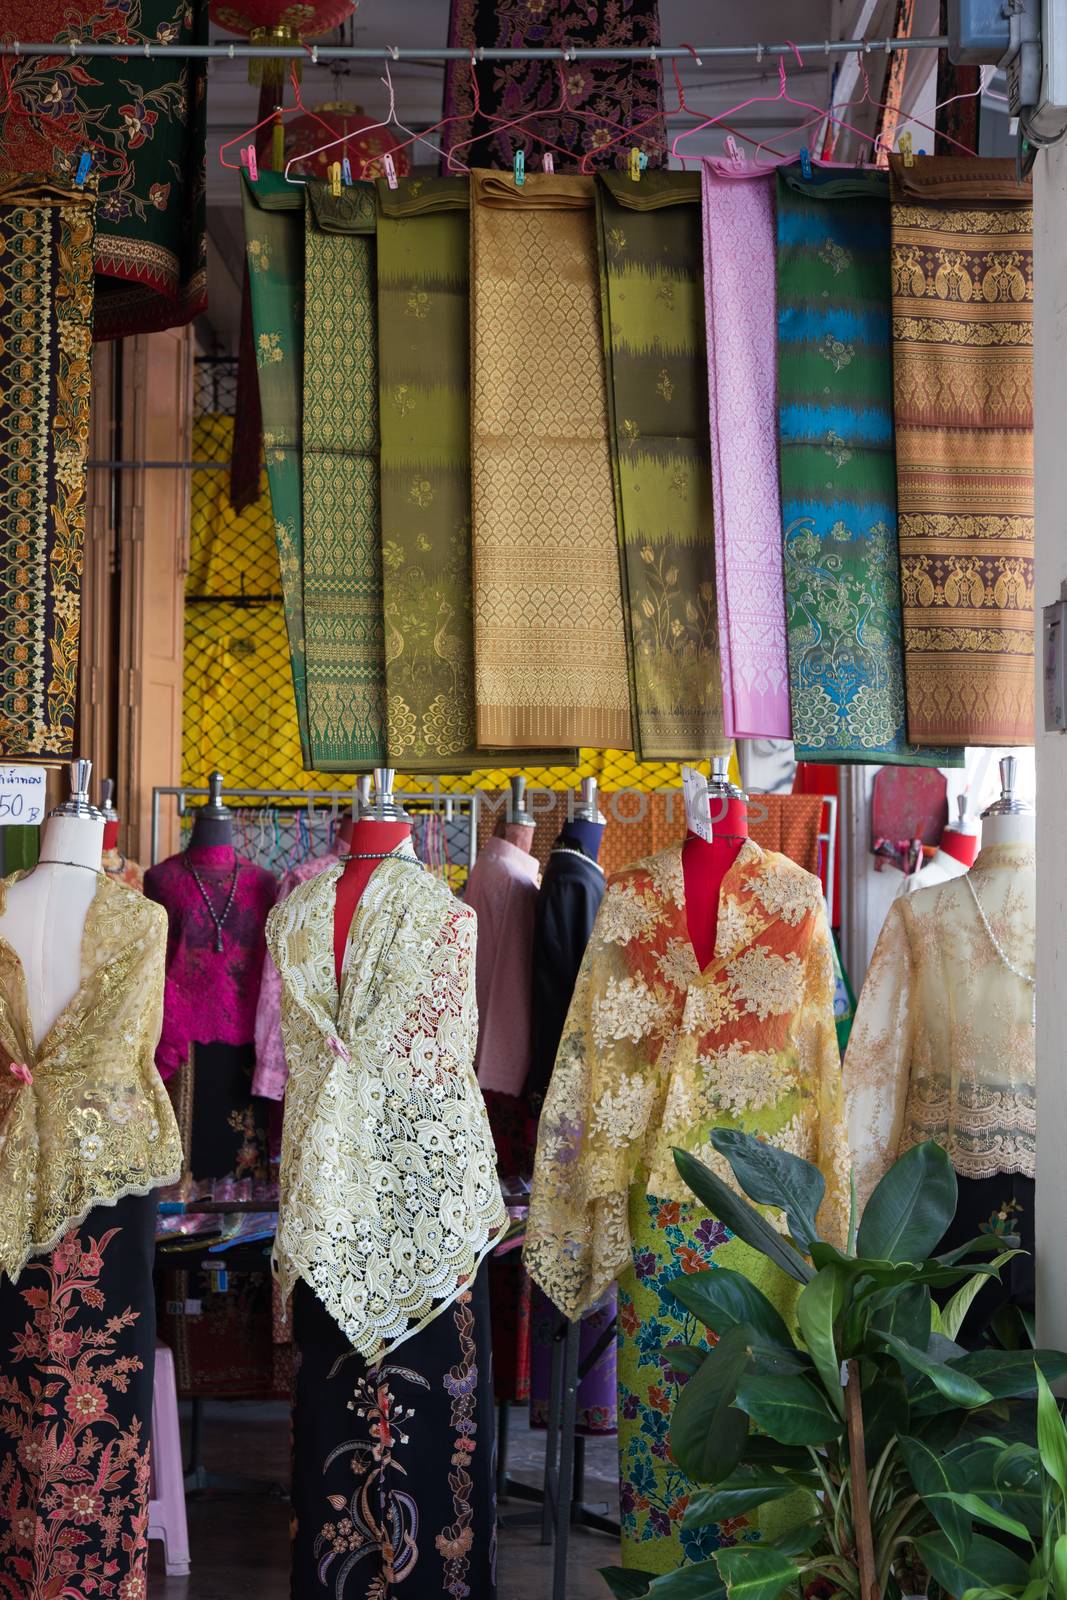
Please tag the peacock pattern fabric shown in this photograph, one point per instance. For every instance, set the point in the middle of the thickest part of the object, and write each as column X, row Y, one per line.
column 838, row 471
column 963, row 289
column 740, row 302
column 649, row 238
column 342, row 566
column 46, row 321
column 549, row 641
column 275, row 252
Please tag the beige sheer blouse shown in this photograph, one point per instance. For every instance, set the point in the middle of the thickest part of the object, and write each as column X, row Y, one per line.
column 943, row 1042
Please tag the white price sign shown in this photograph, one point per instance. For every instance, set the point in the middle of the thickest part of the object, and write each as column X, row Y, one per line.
column 21, row 795
column 697, row 804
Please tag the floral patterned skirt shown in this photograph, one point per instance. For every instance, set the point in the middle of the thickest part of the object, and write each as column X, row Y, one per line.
column 77, row 1360
column 670, row 1238
column 394, row 1470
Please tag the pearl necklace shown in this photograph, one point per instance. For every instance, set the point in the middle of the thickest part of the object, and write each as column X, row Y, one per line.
column 217, row 920
column 1026, row 977
column 566, row 850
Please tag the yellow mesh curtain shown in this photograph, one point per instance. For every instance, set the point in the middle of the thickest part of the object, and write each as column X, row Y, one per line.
column 238, row 706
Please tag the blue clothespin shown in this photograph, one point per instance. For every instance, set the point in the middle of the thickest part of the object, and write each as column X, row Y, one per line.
column 346, row 173
column 805, row 162
column 644, row 161
column 84, row 163
column 520, row 168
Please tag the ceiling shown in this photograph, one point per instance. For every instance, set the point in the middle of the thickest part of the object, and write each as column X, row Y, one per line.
column 711, row 88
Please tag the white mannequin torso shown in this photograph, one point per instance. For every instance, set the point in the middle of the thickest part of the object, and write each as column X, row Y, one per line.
column 44, row 918
column 1010, row 827
column 939, row 869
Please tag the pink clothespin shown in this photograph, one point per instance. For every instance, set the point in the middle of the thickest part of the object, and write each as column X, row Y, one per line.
column 733, row 151
column 547, row 163
column 19, row 1070
column 390, row 171
column 252, row 163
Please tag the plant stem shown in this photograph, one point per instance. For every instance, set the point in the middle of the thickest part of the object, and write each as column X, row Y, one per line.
column 861, row 1507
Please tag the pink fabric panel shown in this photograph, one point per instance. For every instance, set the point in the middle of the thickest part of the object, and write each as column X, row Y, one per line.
column 502, row 889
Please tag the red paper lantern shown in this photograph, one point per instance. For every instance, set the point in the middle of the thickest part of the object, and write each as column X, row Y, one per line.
column 280, row 22
column 306, row 133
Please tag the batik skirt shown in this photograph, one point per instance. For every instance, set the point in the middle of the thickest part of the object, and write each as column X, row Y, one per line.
column 671, row 1238
column 394, row 1469
column 77, row 1362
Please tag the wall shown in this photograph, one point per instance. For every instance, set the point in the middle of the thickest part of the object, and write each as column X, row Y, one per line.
column 1050, row 409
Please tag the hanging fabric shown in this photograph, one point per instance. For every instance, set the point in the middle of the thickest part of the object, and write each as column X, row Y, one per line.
column 550, row 653
column 274, row 248
column 342, row 505
column 46, row 316
column 145, row 119
column 839, row 510
column 962, row 269
column 509, row 88
column 649, row 238
column 740, row 303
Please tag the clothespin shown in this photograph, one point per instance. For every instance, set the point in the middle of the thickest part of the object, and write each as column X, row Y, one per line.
column 520, row 168
column 905, row 147
column 390, row 170
column 635, row 164
column 346, row 173
column 733, row 151
column 85, row 161
column 253, row 164
column 547, row 163
column 277, row 147
column 805, row 162
column 335, row 178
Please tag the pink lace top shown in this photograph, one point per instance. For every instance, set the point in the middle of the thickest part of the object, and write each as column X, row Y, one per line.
column 272, row 1070
column 210, row 997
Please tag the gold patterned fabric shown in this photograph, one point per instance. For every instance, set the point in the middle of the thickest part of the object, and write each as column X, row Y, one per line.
column 389, row 1196
column 962, row 265
column 942, row 1046
column 46, row 314
column 96, row 1122
column 657, row 1054
column 549, row 644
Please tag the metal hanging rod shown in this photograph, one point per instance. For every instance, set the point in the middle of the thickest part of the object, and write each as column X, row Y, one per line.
column 344, row 52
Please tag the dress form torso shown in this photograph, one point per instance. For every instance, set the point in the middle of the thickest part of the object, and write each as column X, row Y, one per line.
column 705, row 864
column 44, row 918
column 368, row 838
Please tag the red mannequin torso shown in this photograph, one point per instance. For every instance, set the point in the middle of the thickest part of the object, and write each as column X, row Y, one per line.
column 111, row 835
column 367, row 837
column 962, row 847
column 704, row 866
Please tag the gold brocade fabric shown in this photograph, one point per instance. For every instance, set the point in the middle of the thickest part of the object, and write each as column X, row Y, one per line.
column 549, row 643
column 96, row 1122
column 942, row 1046
column 657, row 1054
column 389, row 1195
column 962, row 266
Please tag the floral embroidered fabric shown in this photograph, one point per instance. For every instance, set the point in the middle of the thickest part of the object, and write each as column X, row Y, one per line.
column 95, row 1123
column 656, row 1054
column 389, row 1196
column 943, row 1042
column 271, row 1071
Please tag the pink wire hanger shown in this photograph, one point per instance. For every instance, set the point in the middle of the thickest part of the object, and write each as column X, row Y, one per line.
column 772, row 99
column 564, row 108
column 278, row 115
column 882, row 105
column 390, row 121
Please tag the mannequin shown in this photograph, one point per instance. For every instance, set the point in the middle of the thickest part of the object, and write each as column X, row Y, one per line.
column 517, row 824
column 381, row 827
column 705, row 863
column 213, row 823
column 1008, row 820
column 360, row 801
column 954, row 855
column 44, row 918
column 111, row 816
column 585, row 830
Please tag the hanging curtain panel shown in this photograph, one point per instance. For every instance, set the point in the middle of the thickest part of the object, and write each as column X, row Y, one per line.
column 342, row 506
column 740, row 303
column 550, row 650
column 838, row 473
column 46, row 318
column 274, row 245
column 596, row 91
column 653, row 313
column 963, row 373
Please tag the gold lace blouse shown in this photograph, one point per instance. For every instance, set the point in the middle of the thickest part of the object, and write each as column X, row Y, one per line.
column 96, row 1122
column 656, row 1053
column 389, row 1194
column 942, row 1046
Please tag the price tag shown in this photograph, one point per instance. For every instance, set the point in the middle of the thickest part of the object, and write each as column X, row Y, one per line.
column 697, row 804
column 21, row 795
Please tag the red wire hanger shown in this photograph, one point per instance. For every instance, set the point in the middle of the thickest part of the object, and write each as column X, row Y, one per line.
column 277, row 117
column 564, row 108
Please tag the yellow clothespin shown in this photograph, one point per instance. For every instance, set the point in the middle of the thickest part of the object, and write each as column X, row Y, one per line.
column 635, row 164
column 277, row 147
column 906, row 150
column 335, row 178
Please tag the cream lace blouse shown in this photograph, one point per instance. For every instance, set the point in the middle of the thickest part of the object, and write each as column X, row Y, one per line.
column 96, row 1123
column 389, row 1194
column 943, row 1042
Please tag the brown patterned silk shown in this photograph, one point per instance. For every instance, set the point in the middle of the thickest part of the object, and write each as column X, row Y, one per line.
column 962, row 265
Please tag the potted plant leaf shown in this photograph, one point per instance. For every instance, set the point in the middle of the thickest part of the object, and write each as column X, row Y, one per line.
column 871, row 1409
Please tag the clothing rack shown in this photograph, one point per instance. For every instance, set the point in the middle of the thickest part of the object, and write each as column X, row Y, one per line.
column 219, row 51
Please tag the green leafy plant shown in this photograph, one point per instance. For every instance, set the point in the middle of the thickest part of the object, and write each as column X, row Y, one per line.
column 871, row 1410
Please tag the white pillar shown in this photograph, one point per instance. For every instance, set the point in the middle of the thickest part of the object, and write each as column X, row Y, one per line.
column 1050, row 434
